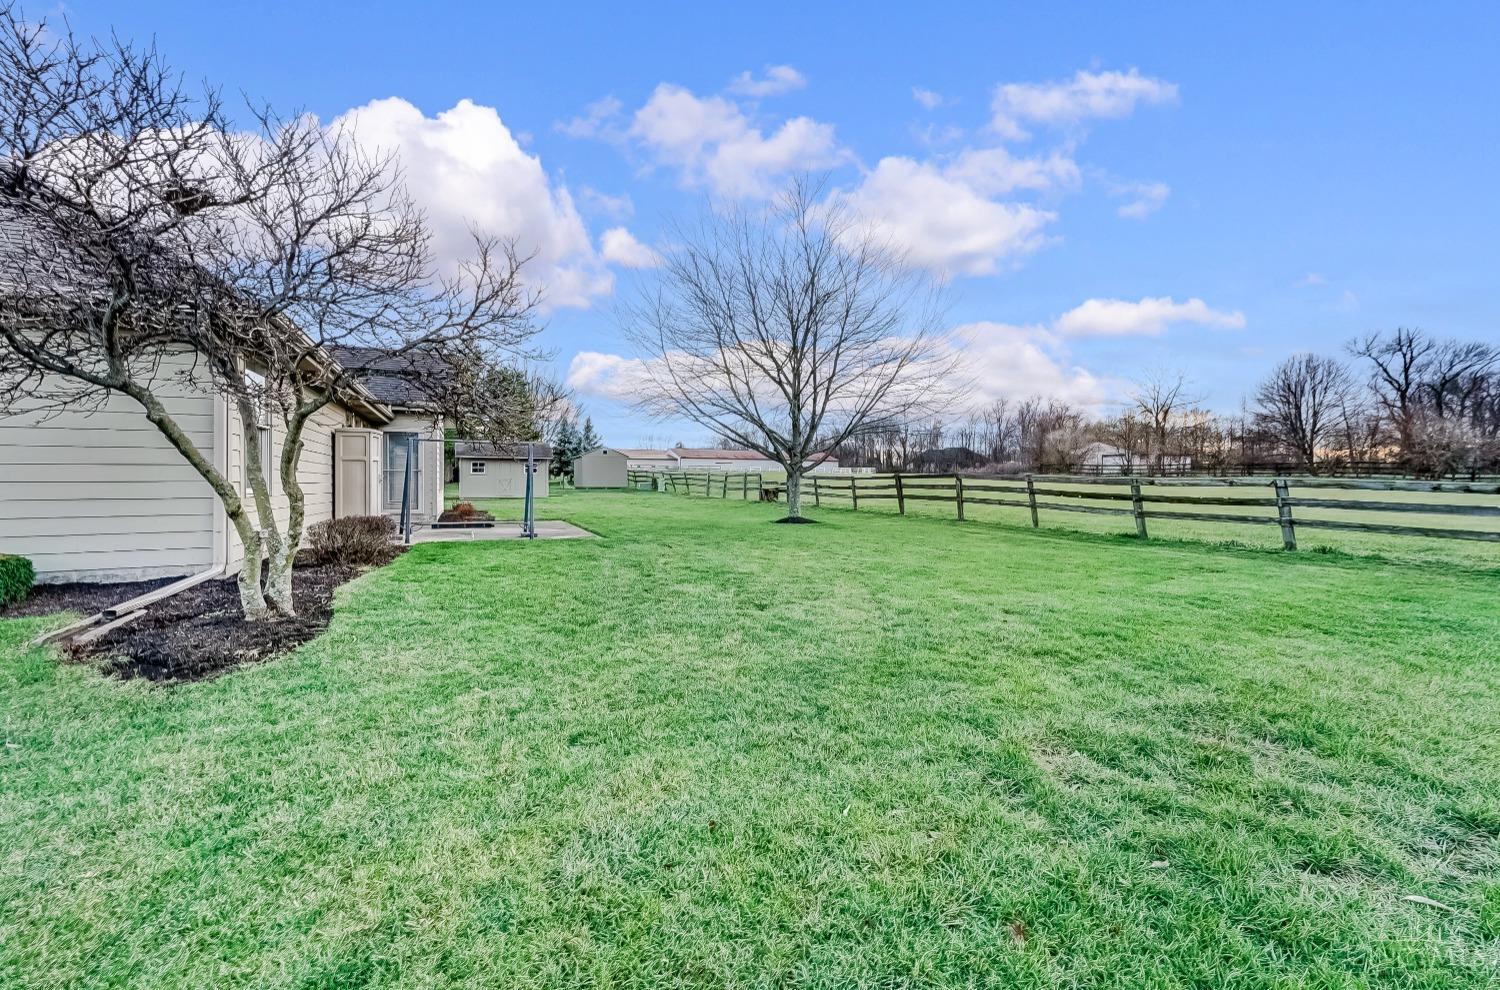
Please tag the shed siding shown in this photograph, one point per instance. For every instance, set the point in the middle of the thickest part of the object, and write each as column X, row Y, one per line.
column 501, row 479
column 99, row 494
column 600, row 469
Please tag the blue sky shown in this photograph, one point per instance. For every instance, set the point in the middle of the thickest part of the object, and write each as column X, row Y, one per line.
column 1108, row 189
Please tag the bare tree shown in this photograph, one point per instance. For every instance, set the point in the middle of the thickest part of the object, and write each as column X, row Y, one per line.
column 1437, row 395
column 788, row 332
column 143, row 223
column 1158, row 396
column 1299, row 403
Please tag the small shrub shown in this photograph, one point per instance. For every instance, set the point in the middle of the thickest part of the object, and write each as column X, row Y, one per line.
column 353, row 540
column 16, row 578
column 465, row 511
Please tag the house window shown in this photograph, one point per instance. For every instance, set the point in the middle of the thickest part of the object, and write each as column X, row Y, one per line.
column 476, row 467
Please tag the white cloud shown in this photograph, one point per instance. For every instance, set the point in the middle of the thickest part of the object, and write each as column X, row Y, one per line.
column 995, row 171
column 778, row 79
column 1004, row 361
column 1145, row 199
column 609, row 376
column 929, row 99
column 467, row 172
column 1015, row 362
column 619, row 247
column 1309, row 280
column 599, row 119
column 713, row 144
column 1088, row 95
column 944, row 220
column 1149, row 317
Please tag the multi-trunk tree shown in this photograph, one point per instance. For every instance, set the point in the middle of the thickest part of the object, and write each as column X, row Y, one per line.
column 141, row 223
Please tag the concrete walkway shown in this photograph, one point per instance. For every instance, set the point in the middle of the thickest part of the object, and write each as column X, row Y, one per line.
column 504, row 529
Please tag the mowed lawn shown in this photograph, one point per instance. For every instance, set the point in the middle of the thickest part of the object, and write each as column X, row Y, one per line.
column 706, row 751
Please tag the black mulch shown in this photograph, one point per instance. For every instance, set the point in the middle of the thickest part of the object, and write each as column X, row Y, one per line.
column 198, row 633
column 85, row 599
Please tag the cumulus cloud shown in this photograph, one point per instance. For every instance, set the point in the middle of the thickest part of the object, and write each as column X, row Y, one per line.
column 609, row 376
column 776, row 80
column 1144, row 199
column 620, row 247
column 1088, row 95
column 946, row 219
column 1148, row 317
column 714, row 144
column 1014, row 362
column 468, row 172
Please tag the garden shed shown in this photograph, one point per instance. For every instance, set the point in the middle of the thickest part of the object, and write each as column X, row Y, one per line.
column 603, row 467
column 498, row 470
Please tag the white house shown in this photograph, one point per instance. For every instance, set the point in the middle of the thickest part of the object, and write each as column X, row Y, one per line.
column 98, row 494
column 498, row 470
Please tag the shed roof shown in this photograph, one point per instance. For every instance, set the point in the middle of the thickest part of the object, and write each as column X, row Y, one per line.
column 480, row 450
column 644, row 454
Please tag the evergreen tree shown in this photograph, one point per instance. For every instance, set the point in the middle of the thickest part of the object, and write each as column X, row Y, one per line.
column 588, row 440
column 565, row 448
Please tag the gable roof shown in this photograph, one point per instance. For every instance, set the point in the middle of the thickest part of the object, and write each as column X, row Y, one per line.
column 483, row 450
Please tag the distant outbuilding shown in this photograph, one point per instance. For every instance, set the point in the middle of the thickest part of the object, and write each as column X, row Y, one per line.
column 498, row 470
column 602, row 467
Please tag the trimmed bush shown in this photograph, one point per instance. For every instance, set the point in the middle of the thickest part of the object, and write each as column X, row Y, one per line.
column 16, row 578
column 353, row 540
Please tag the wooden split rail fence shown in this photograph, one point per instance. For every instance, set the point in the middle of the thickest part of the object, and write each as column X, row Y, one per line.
column 1140, row 498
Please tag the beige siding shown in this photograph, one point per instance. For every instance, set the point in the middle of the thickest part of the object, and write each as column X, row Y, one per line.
column 600, row 469
column 314, row 469
column 99, row 494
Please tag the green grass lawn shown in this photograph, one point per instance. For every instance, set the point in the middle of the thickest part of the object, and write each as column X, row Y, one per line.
column 706, row 751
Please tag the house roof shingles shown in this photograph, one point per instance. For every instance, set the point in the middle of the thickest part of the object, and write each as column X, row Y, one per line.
column 407, row 381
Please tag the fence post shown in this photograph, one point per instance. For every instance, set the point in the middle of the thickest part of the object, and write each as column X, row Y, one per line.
column 725, row 492
column 745, row 487
column 817, row 499
column 1284, row 514
column 854, row 491
column 1031, row 497
column 900, row 495
column 1138, row 508
column 958, row 483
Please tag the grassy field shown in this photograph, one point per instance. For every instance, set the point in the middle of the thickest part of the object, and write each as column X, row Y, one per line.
column 706, row 751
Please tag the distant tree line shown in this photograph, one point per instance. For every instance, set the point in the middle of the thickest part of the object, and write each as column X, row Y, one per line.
column 1400, row 402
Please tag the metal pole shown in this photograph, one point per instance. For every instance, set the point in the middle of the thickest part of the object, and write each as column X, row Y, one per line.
column 406, row 492
column 528, row 519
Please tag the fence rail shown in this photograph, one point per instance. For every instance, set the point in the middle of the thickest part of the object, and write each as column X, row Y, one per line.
column 1123, row 495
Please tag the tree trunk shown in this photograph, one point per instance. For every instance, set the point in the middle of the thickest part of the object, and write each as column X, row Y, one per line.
column 252, row 599
column 794, row 495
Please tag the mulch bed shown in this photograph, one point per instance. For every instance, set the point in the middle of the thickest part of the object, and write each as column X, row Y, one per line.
column 195, row 634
